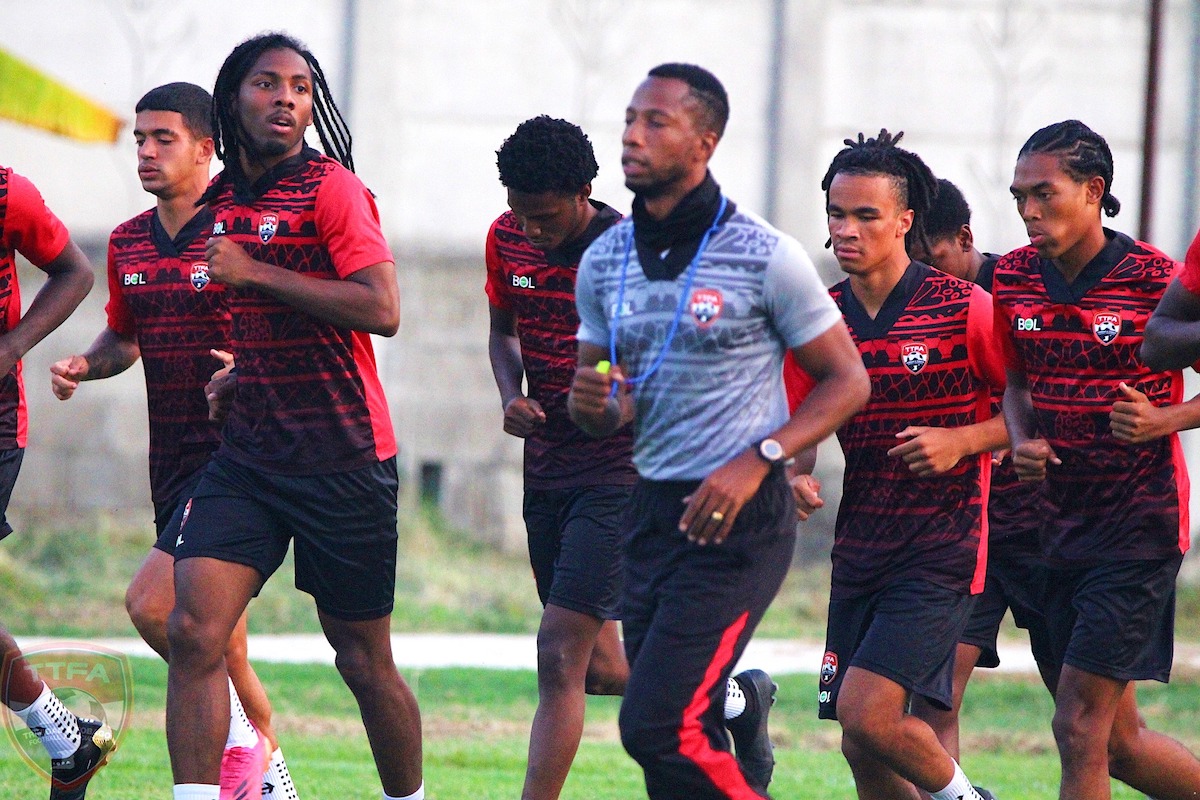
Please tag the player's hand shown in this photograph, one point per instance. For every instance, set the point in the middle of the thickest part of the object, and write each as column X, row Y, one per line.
column 998, row 456
column 715, row 504
column 927, row 451
column 1030, row 459
column 807, row 491
column 1135, row 420
column 228, row 262
column 221, row 390
column 522, row 416
column 591, row 394
column 66, row 374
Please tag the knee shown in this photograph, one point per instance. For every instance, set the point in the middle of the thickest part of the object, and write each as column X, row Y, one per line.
column 361, row 671
column 192, row 638
column 1074, row 733
column 862, row 725
column 147, row 611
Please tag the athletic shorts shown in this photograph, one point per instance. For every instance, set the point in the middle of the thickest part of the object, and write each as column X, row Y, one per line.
column 10, row 467
column 343, row 523
column 168, row 513
column 1016, row 583
column 1115, row 619
column 906, row 632
column 575, row 546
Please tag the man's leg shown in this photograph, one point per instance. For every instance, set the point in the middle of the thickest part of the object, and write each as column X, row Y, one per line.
column 389, row 709
column 210, row 597
column 566, row 648
column 872, row 777
column 608, row 670
column 1153, row 763
column 945, row 722
column 1084, row 709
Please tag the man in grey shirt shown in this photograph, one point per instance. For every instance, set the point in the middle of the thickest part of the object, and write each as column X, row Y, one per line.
column 686, row 311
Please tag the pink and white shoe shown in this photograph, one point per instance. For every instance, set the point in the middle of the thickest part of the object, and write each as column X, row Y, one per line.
column 242, row 770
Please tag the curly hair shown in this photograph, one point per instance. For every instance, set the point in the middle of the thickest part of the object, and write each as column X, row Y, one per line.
column 948, row 213
column 913, row 181
column 1082, row 153
column 545, row 154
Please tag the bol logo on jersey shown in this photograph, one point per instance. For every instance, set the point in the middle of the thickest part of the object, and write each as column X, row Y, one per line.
column 829, row 666
column 200, row 277
column 706, row 306
column 914, row 356
column 267, row 225
column 1106, row 327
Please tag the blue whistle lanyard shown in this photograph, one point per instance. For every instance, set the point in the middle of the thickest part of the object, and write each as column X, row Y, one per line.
column 679, row 308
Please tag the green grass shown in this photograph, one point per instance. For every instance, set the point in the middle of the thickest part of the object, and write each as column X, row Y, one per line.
column 476, row 726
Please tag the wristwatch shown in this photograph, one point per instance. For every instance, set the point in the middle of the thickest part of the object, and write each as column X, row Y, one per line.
column 770, row 451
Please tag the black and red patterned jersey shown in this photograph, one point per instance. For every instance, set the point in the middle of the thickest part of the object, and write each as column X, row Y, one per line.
column 1075, row 343
column 1189, row 276
column 931, row 363
column 309, row 400
column 539, row 289
column 29, row 228
column 159, row 292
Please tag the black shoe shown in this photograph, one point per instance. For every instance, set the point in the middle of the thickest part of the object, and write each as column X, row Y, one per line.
column 749, row 731
column 69, row 776
column 984, row 793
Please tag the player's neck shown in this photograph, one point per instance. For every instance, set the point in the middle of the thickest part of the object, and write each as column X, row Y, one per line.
column 1073, row 260
column 589, row 214
column 175, row 212
column 873, row 286
column 974, row 267
column 662, row 204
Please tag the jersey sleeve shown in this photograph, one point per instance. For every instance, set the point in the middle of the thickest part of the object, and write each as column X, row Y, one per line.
column 495, row 286
column 799, row 304
column 348, row 224
column 29, row 227
column 796, row 382
column 593, row 322
column 120, row 317
column 983, row 354
column 1189, row 275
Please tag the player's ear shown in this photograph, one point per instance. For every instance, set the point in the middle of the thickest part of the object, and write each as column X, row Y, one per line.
column 207, row 148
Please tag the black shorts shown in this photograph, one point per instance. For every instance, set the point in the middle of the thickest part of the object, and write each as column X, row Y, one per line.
column 10, row 467
column 168, row 513
column 1016, row 583
column 1115, row 619
column 906, row 632
column 575, row 547
column 344, row 524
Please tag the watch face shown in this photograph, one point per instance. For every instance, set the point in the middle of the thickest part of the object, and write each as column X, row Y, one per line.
column 771, row 450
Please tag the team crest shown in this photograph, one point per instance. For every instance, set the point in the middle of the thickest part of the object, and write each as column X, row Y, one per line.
column 200, row 277
column 914, row 356
column 1106, row 327
column 267, row 225
column 829, row 667
column 706, row 306
column 92, row 682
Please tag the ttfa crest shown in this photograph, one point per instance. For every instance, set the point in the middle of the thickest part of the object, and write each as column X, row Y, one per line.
column 1106, row 327
column 200, row 277
column 267, row 225
column 91, row 681
column 706, row 306
column 914, row 356
column 829, row 667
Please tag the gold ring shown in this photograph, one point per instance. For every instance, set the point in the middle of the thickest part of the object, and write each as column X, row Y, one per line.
column 717, row 516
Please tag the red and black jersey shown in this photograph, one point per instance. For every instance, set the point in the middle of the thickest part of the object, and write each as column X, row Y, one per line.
column 29, row 228
column 1189, row 276
column 930, row 361
column 159, row 291
column 1075, row 343
column 539, row 289
column 309, row 400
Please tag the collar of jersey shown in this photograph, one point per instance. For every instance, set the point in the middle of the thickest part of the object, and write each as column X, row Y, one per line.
column 246, row 195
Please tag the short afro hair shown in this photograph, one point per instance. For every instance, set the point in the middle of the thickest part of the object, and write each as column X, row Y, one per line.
column 186, row 99
column 705, row 90
column 948, row 213
column 545, row 154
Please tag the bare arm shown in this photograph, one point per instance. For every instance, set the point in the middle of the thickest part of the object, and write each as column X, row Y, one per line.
column 68, row 280
column 1172, row 336
column 522, row 415
column 367, row 300
column 1030, row 454
column 591, row 403
column 110, row 354
column 933, row 451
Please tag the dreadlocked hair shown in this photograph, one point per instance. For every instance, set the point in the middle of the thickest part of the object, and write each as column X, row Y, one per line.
column 1082, row 153
column 913, row 181
column 327, row 119
column 547, row 155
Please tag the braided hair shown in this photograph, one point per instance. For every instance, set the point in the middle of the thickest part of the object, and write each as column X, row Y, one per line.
column 1082, row 153
column 228, row 136
column 913, row 181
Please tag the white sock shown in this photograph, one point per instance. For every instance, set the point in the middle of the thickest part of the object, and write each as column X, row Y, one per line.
column 241, row 732
column 959, row 788
column 735, row 699
column 197, row 791
column 52, row 723
column 278, row 779
column 419, row 794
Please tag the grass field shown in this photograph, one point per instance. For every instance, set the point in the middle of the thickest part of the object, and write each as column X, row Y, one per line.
column 476, row 726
